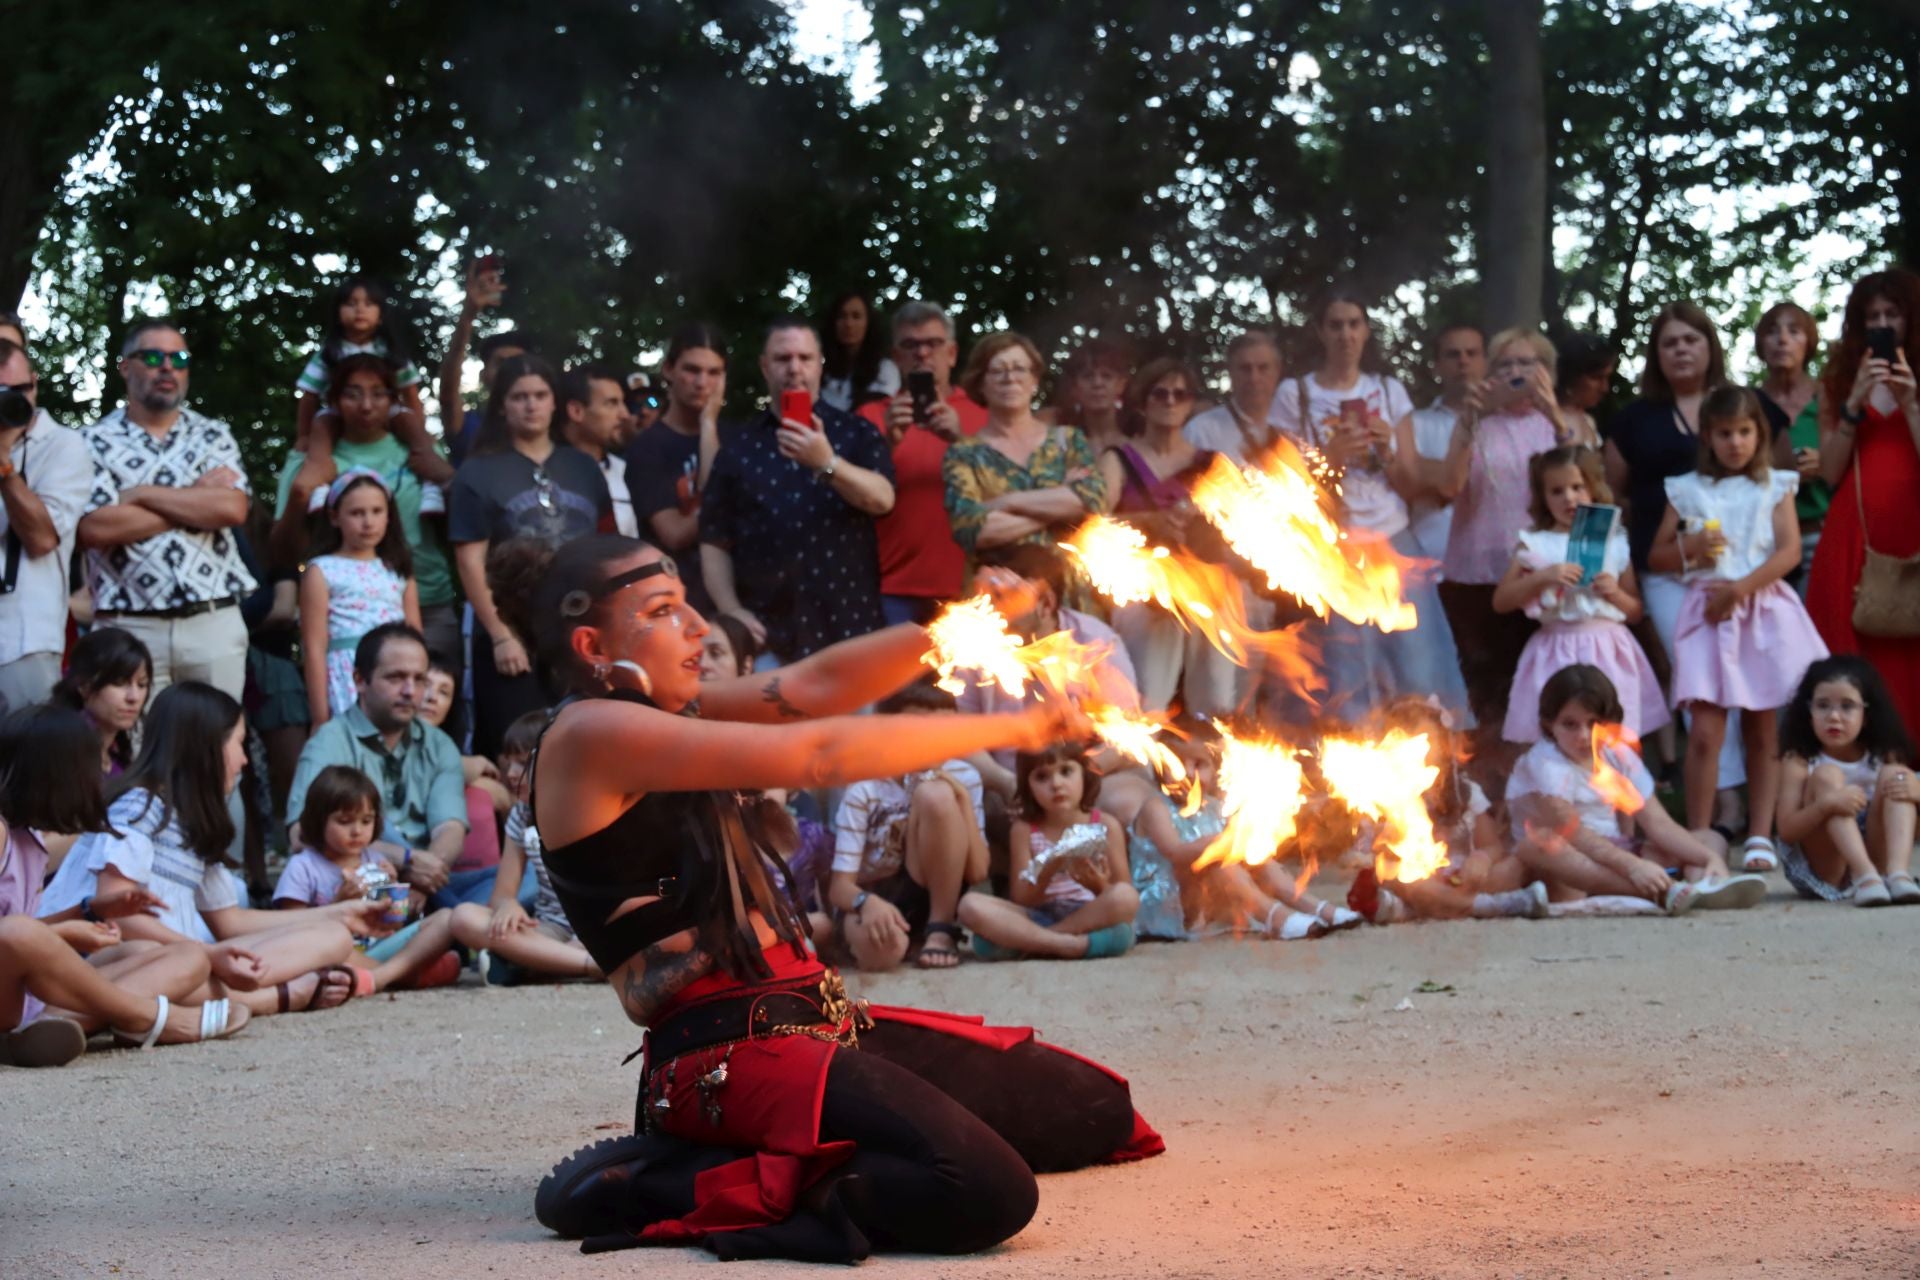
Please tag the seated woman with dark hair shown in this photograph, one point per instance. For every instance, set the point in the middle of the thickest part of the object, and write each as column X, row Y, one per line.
column 780, row 1120
column 169, row 835
column 47, row 991
column 108, row 675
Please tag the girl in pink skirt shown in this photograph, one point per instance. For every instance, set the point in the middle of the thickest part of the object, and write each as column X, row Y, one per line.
column 1581, row 621
column 1743, row 639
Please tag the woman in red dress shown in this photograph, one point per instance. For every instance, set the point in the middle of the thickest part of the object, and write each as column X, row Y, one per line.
column 776, row 1117
column 1870, row 454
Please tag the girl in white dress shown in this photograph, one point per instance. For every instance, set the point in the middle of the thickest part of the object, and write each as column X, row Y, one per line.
column 1580, row 620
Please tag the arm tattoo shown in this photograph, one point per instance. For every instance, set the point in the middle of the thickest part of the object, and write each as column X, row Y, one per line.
column 771, row 693
column 656, row 975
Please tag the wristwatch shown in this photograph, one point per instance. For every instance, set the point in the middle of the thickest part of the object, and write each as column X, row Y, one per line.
column 859, row 900
column 826, row 472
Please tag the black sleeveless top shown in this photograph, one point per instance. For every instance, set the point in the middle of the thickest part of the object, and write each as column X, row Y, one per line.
column 681, row 847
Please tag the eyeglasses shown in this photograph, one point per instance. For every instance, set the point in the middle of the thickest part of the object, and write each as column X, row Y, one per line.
column 1009, row 372
column 544, row 491
column 1170, row 395
column 921, row 346
column 1844, row 706
column 1516, row 364
column 392, row 770
column 153, row 358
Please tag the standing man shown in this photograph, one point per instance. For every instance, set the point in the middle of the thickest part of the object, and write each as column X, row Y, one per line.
column 668, row 461
column 921, row 565
column 786, row 523
column 168, row 491
column 595, row 405
column 1459, row 364
column 45, row 477
column 1243, row 427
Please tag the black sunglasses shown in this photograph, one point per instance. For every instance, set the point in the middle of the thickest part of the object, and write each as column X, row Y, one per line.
column 153, row 358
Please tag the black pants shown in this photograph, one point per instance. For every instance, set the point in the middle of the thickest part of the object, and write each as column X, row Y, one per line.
column 499, row 700
column 950, row 1134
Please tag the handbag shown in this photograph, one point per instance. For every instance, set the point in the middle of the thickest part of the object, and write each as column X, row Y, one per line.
column 1886, row 599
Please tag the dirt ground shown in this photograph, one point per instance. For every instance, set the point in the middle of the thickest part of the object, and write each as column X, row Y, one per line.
column 1722, row 1095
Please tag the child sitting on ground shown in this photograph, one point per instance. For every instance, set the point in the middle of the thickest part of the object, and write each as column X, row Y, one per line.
column 512, row 942
column 904, row 849
column 1847, row 793
column 1481, row 879
column 338, row 824
column 1584, row 817
column 1071, row 889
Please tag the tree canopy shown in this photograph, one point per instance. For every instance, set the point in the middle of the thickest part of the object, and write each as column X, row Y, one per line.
column 1171, row 172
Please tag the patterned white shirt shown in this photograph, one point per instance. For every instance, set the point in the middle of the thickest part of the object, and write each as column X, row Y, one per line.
column 178, row 567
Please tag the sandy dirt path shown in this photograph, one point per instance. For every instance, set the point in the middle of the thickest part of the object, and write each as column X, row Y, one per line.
column 1728, row 1095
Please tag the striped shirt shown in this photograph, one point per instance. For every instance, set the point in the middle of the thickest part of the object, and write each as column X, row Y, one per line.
column 151, row 850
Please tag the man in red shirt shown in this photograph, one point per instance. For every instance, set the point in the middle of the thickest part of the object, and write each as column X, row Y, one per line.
column 921, row 566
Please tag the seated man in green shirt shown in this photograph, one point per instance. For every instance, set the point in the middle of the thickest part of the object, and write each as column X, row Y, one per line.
column 416, row 766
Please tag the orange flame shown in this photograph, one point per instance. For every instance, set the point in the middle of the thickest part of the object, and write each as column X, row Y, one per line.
column 1615, row 787
column 1388, row 780
column 1262, row 787
column 1204, row 598
column 1283, row 522
column 971, row 636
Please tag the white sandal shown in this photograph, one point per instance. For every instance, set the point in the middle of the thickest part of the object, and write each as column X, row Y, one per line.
column 1759, row 855
column 216, row 1017
column 154, row 1032
column 1297, row 927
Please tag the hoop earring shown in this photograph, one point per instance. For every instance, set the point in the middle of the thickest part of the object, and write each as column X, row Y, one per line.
column 640, row 673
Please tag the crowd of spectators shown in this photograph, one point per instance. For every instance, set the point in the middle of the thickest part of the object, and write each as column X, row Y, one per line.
column 300, row 729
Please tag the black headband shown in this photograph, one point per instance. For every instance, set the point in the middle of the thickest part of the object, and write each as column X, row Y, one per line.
column 576, row 603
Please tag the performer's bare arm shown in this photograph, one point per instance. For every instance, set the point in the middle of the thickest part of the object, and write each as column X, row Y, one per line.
column 835, row 681
column 600, row 756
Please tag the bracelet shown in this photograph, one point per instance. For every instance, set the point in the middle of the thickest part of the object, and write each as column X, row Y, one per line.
column 1852, row 415
column 406, row 860
column 859, row 901
column 500, row 640
column 86, row 910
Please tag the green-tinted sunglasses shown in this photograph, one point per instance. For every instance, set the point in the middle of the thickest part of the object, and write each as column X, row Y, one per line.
column 153, row 359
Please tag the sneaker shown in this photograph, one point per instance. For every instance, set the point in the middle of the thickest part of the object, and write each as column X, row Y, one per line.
column 1871, row 893
column 499, row 971
column 1902, row 889
column 1681, row 897
column 1344, row 919
column 1524, row 903
column 1759, row 856
column 1542, row 906
column 1735, row 893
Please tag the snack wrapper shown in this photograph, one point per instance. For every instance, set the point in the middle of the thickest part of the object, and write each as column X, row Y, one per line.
column 1083, row 841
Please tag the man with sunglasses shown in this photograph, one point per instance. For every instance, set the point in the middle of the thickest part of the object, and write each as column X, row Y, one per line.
column 921, row 565
column 45, row 474
column 168, row 491
column 423, row 790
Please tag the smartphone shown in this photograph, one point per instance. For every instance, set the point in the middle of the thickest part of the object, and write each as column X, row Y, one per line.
column 920, row 387
column 1355, row 409
column 797, row 406
column 1880, row 343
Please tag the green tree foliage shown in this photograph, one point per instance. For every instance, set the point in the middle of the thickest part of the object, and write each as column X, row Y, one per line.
column 1168, row 171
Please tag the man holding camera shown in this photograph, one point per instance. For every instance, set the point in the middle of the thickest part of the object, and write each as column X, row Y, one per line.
column 921, row 565
column 168, row 489
column 45, row 473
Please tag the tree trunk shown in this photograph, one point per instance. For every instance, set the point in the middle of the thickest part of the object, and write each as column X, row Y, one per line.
column 1513, row 254
column 29, row 179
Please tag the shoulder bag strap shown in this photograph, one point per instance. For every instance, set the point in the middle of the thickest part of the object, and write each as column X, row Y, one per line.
column 1859, row 496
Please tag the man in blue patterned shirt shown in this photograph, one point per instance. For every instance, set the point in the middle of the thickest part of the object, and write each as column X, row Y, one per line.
column 168, row 491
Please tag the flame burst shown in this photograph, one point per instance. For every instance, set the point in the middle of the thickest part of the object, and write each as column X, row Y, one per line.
column 1388, row 780
column 970, row 636
column 1262, row 788
column 1282, row 521
column 1615, row 787
column 1204, row 598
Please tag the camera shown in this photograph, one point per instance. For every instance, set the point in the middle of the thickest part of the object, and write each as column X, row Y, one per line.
column 15, row 409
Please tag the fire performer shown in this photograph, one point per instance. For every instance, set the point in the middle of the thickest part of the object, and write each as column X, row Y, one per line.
column 776, row 1118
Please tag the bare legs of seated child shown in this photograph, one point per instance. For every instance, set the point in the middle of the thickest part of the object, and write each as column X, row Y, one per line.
column 534, row 945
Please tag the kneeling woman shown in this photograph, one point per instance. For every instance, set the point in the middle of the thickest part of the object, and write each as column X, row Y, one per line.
column 818, row 1129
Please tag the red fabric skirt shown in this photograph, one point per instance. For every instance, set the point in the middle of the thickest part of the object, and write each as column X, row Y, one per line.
column 770, row 1105
column 1888, row 476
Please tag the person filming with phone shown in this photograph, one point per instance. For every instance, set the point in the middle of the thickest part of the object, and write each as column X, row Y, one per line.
column 787, row 542
column 920, row 564
column 45, row 475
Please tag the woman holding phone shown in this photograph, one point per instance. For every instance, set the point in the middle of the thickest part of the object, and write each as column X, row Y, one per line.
column 1361, row 422
column 1870, row 454
column 1509, row 418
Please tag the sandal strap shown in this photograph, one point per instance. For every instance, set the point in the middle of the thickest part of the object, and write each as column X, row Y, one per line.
column 947, row 927
column 213, row 1019
column 159, row 1022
